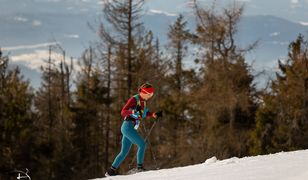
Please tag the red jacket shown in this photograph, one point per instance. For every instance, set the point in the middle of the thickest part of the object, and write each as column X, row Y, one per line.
column 131, row 104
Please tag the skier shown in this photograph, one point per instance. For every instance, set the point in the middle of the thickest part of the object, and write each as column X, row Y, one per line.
column 134, row 110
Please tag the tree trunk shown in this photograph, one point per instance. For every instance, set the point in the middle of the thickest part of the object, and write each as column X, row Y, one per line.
column 129, row 49
column 108, row 110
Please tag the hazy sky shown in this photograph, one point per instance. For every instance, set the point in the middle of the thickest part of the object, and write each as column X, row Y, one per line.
column 294, row 10
column 29, row 26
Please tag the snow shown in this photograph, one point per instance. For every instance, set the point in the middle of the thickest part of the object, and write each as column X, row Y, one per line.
column 154, row 11
column 280, row 166
column 274, row 34
column 304, row 23
column 20, row 19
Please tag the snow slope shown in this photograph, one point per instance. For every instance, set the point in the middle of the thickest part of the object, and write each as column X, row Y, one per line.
column 280, row 166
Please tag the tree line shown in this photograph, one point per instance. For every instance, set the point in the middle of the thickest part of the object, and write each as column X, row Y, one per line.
column 69, row 128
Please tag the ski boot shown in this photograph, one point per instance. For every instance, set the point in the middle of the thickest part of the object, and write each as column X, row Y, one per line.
column 111, row 172
column 140, row 168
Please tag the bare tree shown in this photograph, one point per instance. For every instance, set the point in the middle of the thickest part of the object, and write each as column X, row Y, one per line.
column 126, row 32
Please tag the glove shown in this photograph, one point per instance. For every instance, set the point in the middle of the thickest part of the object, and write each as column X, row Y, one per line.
column 159, row 114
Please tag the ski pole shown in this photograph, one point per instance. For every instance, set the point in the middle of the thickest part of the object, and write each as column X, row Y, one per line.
column 145, row 139
column 151, row 150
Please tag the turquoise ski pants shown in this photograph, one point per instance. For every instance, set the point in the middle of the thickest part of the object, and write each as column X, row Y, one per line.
column 130, row 136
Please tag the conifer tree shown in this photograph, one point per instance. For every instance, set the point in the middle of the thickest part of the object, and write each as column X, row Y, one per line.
column 175, row 100
column 17, row 134
column 282, row 119
column 225, row 97
column 126, row 33
column 52, row 104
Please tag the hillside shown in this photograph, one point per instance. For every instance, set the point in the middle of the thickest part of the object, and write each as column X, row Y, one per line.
column 280, row 166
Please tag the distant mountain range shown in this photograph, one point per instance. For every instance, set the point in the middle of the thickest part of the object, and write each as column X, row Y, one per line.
column 24, row 34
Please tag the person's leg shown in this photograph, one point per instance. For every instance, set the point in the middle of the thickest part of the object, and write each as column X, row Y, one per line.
column 126, row 145
column 135, row 138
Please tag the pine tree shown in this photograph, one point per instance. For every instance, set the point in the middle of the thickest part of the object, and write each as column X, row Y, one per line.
column 175, row 99
column 94, row 112
column 260, row 141
column 17, row 134
column 225, row 98
column 285, row 106
column 52, row 104
column 127, row 33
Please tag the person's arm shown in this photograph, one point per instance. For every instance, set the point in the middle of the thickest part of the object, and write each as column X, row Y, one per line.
column 127, row 109
column 151, row 115
column 155, row 115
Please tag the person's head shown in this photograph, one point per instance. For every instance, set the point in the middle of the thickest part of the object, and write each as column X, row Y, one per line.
column 146, row 91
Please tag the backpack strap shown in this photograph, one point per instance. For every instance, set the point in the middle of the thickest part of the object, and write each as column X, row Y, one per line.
column 145, row 109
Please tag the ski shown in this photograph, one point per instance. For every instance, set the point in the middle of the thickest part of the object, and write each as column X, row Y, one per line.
column 133, row 171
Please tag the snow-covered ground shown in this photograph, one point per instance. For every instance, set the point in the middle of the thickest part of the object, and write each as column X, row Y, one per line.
column 280, row 166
